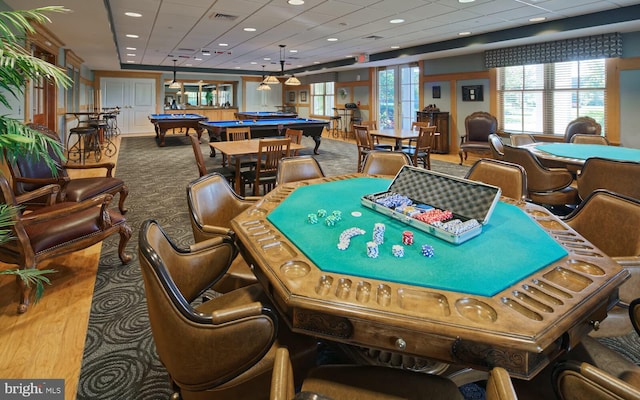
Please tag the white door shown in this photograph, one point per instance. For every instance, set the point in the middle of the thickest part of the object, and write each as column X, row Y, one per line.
column 136, row 98
column 262, row 100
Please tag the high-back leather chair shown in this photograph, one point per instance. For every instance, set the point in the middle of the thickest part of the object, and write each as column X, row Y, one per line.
column 223, row 348
column 550, row 186
column 583, row 138
column 521, row 139
column 496, row 147
column 478, row 126
column 339, row 382
column 510, row 177
column 293, row 169
column 212, row 205
column 583, row 125
column 29, row 173
column 617, row 176
column 610, row 222
column 56, row 229
column 379, row 162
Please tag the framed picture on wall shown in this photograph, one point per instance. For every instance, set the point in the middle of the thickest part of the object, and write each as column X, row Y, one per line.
column 303, row 96
column 435, row 92
column 472, row 93
column 292, row 97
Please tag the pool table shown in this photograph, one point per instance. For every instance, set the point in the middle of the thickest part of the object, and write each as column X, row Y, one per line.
column 520, row 294
column 268, row 127
column 164, row 122
column 256, row 115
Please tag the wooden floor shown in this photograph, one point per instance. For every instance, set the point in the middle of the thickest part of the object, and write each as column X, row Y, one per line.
column 48, row 341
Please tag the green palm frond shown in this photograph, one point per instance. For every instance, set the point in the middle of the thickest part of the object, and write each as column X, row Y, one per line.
column 37, row 277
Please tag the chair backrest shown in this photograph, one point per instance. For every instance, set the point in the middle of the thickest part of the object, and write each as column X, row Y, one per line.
column 610, row 221
column 363, row 139
column 509, row 177
column 584, row 125
column 382, row 162
column 197, row 152
column 576, row 380
column 198, row 351
column 583, row 138
column 495, row 144
column 270, row 152
column 617, row 176
column 416, row 125
column 296, row 137
column 293, row 169
column 520, row 139
column 539, row 178
column 634, row 314
column 238, row 133
column 371, row 124
column 426, row 138
column 479, row 125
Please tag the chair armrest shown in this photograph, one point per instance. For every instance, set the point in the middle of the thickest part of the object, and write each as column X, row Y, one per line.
column 252, row 199
column 108, row 166
column 60, row 180
column 499, row 386
column 235, row 313
column 49, row 190
column 73, row 208
column 585, row 381
column 206, row 244
column 282, row 386
column 217, row 230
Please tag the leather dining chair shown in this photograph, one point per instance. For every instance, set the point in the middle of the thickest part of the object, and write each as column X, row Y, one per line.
column 547, row 186
column 510, row 177
column 496, row 147
column 293, row 169
column 617, row 176
column 582, row 138
column 610, row 222
column 347, row 382
column 212, row 205
column 218, row 348
column 56, row 229
column 30, row 173
column 389, row 163
column 478, row 126
column 582, row 125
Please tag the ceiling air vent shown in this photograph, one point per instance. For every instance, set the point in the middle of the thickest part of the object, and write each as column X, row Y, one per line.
column 374, row 37
column 223, row 17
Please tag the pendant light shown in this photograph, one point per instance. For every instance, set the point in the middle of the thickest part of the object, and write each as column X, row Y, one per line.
column 262, row 85
column 175, row 84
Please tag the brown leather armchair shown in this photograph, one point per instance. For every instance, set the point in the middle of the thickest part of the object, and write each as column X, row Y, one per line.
column 212, row 205
column 617, row 176
column 583, row 138
column 56, row 229
column 510, row 177
column 496, row 147
column 340, row 382
column 610, row 222
column 298, row 168
column 583, row 125
column 380, row 162
column 548, row 186
column 29, row 173
column 478, row 126
column 223, row 348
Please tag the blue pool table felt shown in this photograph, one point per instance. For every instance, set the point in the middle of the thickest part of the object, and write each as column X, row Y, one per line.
column 266, row 122
column 584, row 151
column 511, row 247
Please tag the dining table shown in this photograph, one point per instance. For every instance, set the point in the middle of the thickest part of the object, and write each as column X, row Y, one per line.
column 239, row 149
column 397, row 134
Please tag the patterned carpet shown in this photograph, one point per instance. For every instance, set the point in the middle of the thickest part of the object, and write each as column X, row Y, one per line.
column 119, row 359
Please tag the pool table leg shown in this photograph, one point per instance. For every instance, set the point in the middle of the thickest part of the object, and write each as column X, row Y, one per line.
column 317, row 140
column 160, row 135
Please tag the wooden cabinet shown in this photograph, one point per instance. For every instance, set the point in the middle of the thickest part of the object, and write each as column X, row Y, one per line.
column 441, row 120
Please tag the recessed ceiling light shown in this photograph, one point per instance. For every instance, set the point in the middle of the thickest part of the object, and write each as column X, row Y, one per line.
column 253, row 63
column 396, row 21
column 130, row 61
column 188, row 65
column 349, row 56
column 316, row 62
column 131, row 55
column 332, row 39
column 131, row 48
column 249, row 29
column 223, row 44
column 198, row 59
column 464, row 33
column 395, row 47
column 132, row 36
column 267, row 58
column 293, row 51
column 466, row 1
column 537, row 19
column 296, row 2
column 133, row 14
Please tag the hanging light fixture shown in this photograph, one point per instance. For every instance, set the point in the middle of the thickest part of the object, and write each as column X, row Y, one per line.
column 175, row 84
column 262, row 85
column 293, row 81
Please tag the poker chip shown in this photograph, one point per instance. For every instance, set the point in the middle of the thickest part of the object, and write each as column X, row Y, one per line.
column 337, row 215
column 322, row 213
column 346, row 235
column 330, row 220
column 312, row 218
column 378, row 233
column 356, row 214
column 427, row 251
column 407, row 238
column 372, row 249
column 397, row 250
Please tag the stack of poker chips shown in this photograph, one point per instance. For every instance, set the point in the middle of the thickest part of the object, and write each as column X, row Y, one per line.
column 372, row 249
column 407, row 238
column 397, row 250
column 378, row 233
column 393, row 200
column 434, row 215
column 346, row 235
column 312, row 219
column 457, row 227
column 427, row 250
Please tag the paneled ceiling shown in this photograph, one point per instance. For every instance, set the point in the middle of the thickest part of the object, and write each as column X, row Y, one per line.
column 211, row 35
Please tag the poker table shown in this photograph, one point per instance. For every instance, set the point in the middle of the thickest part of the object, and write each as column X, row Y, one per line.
column 524, row 291
column 268, row 128
column 575, row 154
column 164, row 122
column 256, row 115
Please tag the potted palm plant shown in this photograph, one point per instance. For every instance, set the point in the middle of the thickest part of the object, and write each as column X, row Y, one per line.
column 17, row 67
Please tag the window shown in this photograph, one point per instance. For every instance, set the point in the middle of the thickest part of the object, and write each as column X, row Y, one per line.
column 322, row 98
column 544, row 98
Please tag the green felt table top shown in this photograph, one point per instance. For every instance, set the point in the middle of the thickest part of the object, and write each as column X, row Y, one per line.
column 511, row 247
column 584, row 151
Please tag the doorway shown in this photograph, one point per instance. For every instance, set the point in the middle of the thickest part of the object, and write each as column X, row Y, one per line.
column 398, row 91
column 43, row 94
column 136, row 98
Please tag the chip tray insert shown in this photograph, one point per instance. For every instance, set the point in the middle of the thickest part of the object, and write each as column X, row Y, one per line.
column 467, row 200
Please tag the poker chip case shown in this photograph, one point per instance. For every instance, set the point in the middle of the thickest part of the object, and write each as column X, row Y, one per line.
column 465, row 198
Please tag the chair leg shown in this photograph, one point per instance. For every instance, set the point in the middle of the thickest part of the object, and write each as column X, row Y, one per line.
column 25, row 295
column 125, row 235
column 124, row 192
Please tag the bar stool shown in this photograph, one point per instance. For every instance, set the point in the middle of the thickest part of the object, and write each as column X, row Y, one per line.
column 336, row 123
column 87, row 141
